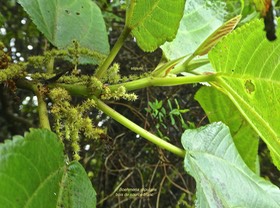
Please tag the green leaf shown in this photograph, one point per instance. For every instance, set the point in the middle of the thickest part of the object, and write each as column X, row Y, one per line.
column 223, row 179
column 175, row 112
column 62, row 22
column 77, row 192
column 201, row 18
column 249, row 74
column 184, row 110
column 153, row 22
column 34, row 173
column 216, row 36
column 219, row 107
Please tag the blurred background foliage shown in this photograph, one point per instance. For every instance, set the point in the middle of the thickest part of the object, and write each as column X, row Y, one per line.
column 119, row 158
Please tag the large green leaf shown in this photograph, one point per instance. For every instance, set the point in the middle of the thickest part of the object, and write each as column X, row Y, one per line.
column 153, row 22
column 248, row 72
column 223, row 179
column 63, row 21
column 77, row 189
column 201, row 18
column 219, row 107
column 34, row 173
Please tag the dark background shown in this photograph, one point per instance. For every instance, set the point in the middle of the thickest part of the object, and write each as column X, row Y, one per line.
column 119, row 157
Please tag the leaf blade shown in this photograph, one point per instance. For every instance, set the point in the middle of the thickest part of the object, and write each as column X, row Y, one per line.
column 251, row 80
column 77, row 190
column 218, row 107
column 216, row 36
column 212, row 159
column 32, row 169
column 201, row 18
column 62, row 23
column 154, row 22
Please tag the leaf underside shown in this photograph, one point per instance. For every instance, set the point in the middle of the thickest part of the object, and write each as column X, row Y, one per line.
column 223, row 179
column 62, row 22
column 219, row 107
column 201, row 19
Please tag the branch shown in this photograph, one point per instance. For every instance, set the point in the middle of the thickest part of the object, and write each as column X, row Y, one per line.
column 42, row 109
column 137, row 129
column 163, row 81
column 103, row 68
column 42, row 106
column 82, row 90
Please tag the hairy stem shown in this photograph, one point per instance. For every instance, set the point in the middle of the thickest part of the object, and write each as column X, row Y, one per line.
column 137, row 129
column 100, row 72
column 82, row 90
column 42, row 110
column 163, row 81
column 42, row 106
column 50, row 66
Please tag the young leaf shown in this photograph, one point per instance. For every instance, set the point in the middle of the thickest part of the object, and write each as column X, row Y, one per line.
column 223, row 179
column 62, row 22
column 216, row 36
column 153, row 22
column 219, row 107
column 201, row 18
column 33, row 173
column 249, row 74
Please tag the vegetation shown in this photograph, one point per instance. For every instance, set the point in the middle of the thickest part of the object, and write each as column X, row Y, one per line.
column 191, row 80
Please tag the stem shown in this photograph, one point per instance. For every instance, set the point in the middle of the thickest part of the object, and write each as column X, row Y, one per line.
column 102, row 69
column 137, row 129
column 166, row 68
column 74, row 89
column 82, row 90
column 42, row 110
column 50, row 66
column 42, row 106
column 163, row 81
column 190, row 66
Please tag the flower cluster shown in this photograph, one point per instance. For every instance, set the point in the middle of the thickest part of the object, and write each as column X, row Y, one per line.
column 71, row 121
column 7, row 70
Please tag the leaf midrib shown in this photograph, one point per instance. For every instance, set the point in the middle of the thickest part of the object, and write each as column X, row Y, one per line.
column 48, row 178
column 238, row 101
column 247, row 77
column 142, row 20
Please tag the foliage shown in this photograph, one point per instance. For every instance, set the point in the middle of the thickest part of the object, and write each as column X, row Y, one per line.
column 61, row 23
column 34, row 173
column 75, row 82
column 154, row 23
column 218, row 107
column 246, row 86
column 162, row 115
column 195, row 28
column 214, row 162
